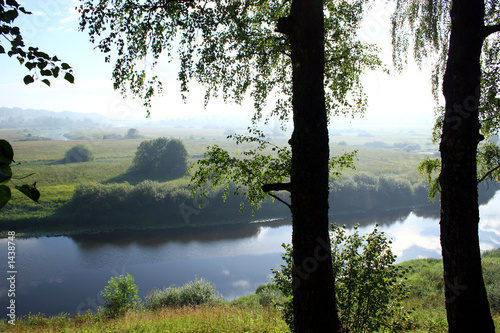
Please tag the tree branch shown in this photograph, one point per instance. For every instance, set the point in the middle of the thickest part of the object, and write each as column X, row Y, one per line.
column 280, row 200
column 490, row 29
column 277, row 187
column 486, row 175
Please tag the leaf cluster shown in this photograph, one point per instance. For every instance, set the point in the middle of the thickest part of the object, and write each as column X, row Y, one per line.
column 160, row 158
column 120, row 295
column 230, row 47
column 249, row 170
column 6, row 175
column 40, row 63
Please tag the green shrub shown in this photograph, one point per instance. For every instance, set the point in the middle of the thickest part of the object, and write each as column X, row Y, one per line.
column 160, row 158
column 369, row 287
column 196, row 292
column 77, row 154
column 270, row 293
column 120, row 295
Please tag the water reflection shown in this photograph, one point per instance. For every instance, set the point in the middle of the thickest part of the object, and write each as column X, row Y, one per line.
column 62, row 274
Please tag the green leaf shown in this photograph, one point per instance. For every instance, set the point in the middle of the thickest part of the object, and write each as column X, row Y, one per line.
column 65, row 66
column 30, row 65
column 47, row 82
column 42, row 55
column 5, row 195
column 30, row 191
column 5, row 174
column 41, row 64
column 10, row 15
column 69, row 77
column 2, row 50
column 6, row 153
column 46, row 72
column 28, row 79
column 55, row 71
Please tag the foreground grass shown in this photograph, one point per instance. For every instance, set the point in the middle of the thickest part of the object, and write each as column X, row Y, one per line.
column 220, row 318
column 426, row 302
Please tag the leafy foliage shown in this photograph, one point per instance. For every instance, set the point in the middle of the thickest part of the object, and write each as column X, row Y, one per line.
column 160, row 158
column 252, row 169
column 369, row 287
column 120, row 295
column 232, row 48
column 43, row 65
column 78, row 154
column 6, row 176
column 428, row 25
column 196, row 292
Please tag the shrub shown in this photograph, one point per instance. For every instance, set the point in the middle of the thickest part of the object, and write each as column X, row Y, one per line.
column 160, row 158
column 270, row 293
column 369, row 287
column 77, row 154
column 120, row 295
column 196, row 292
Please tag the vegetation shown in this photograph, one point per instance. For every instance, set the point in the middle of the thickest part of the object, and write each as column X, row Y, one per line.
column 463, row 38
column 197, row 292
column 6, row 176
column 369, row 287
column 120, row 295
column 253, row 313
column 78, row 154
column 160, row 158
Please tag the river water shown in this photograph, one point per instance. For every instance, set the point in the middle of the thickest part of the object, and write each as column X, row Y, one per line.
column 66, row 274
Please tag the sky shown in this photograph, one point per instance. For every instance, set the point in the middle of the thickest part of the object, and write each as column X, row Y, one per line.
column 395, row 101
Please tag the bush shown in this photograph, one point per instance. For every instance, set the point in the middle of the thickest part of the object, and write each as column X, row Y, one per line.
column 120, row 295
column 196, row 292
column 77, row 154
column 369, row 287
column 160, row 158
column 269, row 294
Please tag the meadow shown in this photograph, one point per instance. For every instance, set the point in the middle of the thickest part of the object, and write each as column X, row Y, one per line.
column 57, row 182
column 251, row 314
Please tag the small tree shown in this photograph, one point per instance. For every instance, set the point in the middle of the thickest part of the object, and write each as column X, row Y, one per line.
column 77, row 154
column 132, row 133
column 160, row 158
column 120, row 295
column 369, row 287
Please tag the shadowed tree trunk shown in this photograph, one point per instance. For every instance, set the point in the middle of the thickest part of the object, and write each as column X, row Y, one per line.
column 313, row 281
column 466, row 302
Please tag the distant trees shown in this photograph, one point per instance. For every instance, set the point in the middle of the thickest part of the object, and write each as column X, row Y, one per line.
column 77, row 154
column 132, row 133
column 160, row 158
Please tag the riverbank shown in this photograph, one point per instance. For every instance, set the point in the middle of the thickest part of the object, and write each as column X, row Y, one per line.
column 247, row 314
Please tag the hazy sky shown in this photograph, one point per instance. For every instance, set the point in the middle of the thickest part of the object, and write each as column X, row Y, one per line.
column 393, row 99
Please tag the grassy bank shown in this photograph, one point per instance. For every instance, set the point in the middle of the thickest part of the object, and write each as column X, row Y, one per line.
column 62, row 187
column 250, row 314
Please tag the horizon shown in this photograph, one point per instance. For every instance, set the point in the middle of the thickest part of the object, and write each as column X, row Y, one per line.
column 395, row 101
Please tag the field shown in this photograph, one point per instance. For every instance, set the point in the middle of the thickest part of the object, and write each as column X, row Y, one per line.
column 246, row 314
column 113, row 157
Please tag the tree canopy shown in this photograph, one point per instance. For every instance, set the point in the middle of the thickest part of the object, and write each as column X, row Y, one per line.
column 304, row 55
column 160, row 158
column 41, row 65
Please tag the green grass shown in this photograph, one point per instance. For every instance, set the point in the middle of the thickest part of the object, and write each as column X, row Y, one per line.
column 246, row 314
column 56, row 182
column 221, row 318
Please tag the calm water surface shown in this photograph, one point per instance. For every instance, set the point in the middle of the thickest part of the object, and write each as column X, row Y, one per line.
column 63, row 274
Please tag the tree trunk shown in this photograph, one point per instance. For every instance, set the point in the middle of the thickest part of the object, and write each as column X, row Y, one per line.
column 313, row 282
column 466, row 302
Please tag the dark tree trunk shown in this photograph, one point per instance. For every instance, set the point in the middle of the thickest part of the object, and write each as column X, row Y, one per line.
column 313, row 282
column 466, row 302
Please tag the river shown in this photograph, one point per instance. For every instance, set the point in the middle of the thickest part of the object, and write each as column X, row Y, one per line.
column 66, row 274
